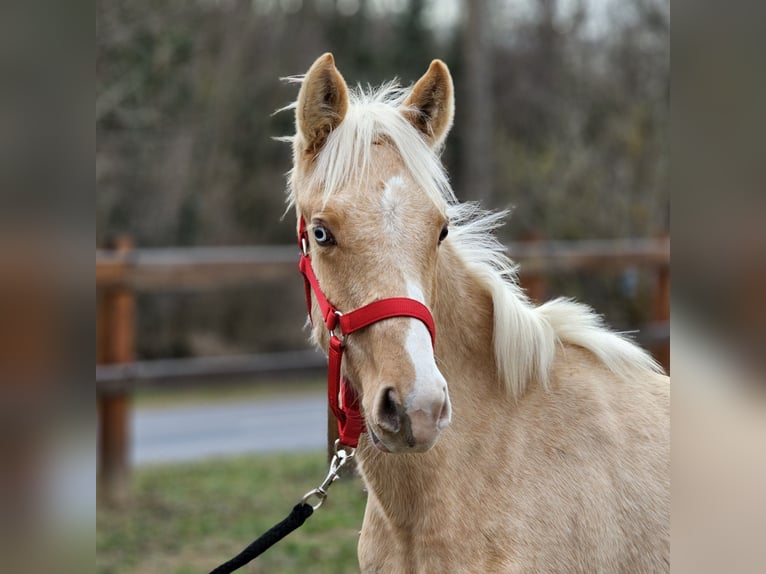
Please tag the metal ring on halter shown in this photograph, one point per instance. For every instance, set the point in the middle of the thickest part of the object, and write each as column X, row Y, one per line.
column 304, row 246
column 342, row 336
column 343, row 455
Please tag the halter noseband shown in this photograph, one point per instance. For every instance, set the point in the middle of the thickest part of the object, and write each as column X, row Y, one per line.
column 347, row 411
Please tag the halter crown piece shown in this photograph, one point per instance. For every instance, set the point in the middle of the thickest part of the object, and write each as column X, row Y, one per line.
column 342, row 397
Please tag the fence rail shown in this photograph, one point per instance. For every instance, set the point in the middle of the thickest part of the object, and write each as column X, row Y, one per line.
column 125, row 270
column 205, row 267
column 119, row 378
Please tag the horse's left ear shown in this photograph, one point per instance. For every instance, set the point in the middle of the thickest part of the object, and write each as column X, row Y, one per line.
column 431, row 104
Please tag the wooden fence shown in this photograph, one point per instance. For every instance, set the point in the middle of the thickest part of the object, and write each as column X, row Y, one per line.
column 123, row 271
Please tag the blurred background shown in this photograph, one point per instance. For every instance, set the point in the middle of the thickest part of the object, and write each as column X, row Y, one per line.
column 212, row 420
column 562, row 113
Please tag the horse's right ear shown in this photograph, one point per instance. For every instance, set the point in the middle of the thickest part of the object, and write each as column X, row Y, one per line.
column 322, row 104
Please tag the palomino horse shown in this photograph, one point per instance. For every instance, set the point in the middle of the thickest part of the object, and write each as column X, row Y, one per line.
column 528, row 438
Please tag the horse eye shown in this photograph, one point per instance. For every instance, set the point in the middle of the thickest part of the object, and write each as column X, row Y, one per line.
column 443, row 234
column 323, row 236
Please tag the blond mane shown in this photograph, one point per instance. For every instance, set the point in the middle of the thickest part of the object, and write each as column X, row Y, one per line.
column 525, row 336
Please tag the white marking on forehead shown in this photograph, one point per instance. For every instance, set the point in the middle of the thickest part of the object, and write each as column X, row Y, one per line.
column 429, row 383
column 390, row 202
column 394, row 183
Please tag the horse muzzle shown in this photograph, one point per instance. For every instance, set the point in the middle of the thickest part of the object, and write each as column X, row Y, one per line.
column 412, row 425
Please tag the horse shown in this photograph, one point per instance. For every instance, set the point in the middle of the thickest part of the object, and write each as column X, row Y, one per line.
column 526, row 438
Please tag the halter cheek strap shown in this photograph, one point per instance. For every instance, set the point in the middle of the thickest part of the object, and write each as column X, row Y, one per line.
column 347, row 409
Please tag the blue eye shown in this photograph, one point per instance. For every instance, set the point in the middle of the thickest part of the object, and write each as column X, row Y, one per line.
column 323, row 235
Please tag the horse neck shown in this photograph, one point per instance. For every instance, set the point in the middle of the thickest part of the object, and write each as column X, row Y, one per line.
column 463, row 313
column 408, row 485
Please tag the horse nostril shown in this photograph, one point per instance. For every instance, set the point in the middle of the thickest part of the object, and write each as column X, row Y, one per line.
column 388, row 410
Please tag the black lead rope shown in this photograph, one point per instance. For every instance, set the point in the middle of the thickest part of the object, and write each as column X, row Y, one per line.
column 295, row 519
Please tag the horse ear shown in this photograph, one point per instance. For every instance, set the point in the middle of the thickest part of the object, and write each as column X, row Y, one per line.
column 322, row 103
column 431, row 104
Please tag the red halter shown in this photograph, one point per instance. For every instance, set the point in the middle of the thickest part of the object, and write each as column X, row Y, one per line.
column 350, row 419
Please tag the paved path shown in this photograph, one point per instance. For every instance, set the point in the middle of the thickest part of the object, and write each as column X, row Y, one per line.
column 190, row 432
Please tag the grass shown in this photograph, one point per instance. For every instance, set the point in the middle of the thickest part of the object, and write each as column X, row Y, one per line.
column 187, row 518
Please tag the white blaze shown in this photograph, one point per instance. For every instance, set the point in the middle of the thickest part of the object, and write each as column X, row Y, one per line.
column 430, row 385
column 390, row 203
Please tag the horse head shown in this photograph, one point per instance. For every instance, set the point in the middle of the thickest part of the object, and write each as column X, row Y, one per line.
column 368, row 182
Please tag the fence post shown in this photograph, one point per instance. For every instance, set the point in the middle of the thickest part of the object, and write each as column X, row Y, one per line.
column 115, row 344
column 332, row 433
column 534, row 284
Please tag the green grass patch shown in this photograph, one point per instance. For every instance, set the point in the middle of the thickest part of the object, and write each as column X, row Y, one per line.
column 187, row 518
